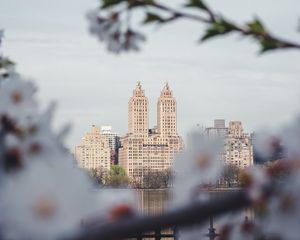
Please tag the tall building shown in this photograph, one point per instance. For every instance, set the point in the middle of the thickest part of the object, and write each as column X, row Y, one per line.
column 94, row 150
column 238, row 149
column 166, row 113
column 113, row 142
column 138, row 112
column 144, row 149
column 238, row 146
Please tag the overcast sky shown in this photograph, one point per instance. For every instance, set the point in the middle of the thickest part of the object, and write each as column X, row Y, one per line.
column 223, row 78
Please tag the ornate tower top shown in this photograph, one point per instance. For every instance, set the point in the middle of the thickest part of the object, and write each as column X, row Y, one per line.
column 166, row 87
column 166, row 92
column 138, row 91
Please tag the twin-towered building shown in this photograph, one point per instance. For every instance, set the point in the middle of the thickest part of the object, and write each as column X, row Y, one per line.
column 143, row 149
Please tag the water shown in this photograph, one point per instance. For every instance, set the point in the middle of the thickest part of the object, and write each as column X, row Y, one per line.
column 155, row 201
column 152, row 201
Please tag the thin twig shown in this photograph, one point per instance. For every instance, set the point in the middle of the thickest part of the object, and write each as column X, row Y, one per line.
column 213, row 19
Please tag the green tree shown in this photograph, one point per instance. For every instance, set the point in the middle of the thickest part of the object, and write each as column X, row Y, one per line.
column 117, row 177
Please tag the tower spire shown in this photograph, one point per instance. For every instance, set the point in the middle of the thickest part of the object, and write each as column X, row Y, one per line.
column 167, row 86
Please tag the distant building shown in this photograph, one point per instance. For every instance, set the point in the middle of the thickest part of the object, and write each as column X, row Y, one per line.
column 238, row 149
column 218, row 130
column 94, row 150
column 144, row 149
column 238, row 146
column 113, row 141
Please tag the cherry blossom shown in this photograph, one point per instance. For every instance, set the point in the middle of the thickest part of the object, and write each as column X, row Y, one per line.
column 266, row 145
column 43, row 195
column 109, row 30
column 16, row 99
column 291, row 138
column 255, row 180
column 282, row 212
column 102, row 27
column 197, row 168
column 45, row 201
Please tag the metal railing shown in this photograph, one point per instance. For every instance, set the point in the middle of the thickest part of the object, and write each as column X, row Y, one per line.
column 142, row 227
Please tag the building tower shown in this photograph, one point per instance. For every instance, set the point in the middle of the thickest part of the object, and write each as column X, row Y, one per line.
column 166, row 113
column 236, row 129
column 138, row 109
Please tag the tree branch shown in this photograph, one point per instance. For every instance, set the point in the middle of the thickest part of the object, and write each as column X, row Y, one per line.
column 267, row 40
column 195, row 213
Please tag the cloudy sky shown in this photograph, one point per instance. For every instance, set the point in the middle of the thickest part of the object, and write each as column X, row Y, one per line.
column 223, row 78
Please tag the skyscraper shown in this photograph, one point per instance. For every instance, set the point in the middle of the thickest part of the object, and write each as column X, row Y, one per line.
column 138, row 109
column 143, row 149
column 166, row 113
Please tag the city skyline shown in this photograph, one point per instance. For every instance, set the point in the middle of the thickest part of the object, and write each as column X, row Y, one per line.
column 145, row 148
column 53, row 47
column 154, row 116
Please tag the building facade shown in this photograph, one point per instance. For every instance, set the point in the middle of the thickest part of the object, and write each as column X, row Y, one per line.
column 143, row 149
column 238, row 149
column 94, row 150
column 113, row 142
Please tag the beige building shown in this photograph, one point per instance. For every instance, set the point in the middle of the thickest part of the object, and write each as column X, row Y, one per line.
column 94, row 150
column 113, row 142
column 144, row 149
column 238, row 149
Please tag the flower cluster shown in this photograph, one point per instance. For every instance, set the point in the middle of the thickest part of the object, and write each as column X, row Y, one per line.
column 43, row 195
column 273, row 187
column 196, row 169
column 109, row 30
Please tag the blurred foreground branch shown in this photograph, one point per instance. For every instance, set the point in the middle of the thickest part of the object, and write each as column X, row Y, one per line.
column 112, row 24
column 186, row 216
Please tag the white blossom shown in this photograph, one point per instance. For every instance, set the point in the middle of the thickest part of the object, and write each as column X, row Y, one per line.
column 46, row 197
column 256, row 183
column 283, row 210
column 132, row 40
column 102, row 27
column 291, row 138
column 198, row 166
column 110, row 30
column 46, row 200
column 265, row 144
column 16, row 99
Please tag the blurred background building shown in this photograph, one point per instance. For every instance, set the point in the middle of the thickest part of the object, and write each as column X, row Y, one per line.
column 238, row 147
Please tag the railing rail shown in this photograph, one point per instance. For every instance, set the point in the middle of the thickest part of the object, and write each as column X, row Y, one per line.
column 135, row 227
